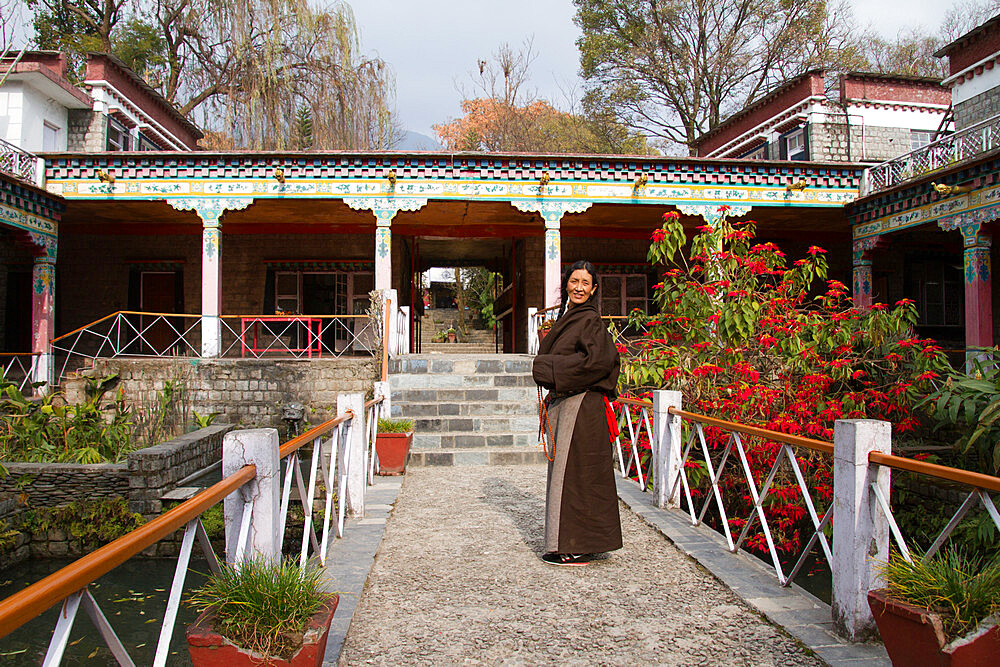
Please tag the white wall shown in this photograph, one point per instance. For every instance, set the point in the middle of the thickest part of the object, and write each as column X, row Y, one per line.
column 11, row 105
column 39, row 109
column 926, row 119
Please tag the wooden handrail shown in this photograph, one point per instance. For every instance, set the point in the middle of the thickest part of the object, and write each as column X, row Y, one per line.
column 545, row 310
column 28, row 603
column 85, row 326
column 20, row 354
column 967, row 477
column 316, row 431
column 374, row 401
column 775, row 436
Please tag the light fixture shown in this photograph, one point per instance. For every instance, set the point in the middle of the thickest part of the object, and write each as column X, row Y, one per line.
column 279, row 175
column 105, row 176
column 947, row 190
column 544, row 180
column 799, row 185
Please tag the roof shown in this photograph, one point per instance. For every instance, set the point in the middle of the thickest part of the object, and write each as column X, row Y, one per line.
column 975, row 32
column 897, row 78
column 140, row 83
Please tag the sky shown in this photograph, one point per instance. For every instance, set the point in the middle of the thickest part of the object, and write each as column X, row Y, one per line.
column 433, row 45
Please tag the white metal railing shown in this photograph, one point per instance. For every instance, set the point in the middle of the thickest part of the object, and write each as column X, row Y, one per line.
column 665, row 442
column 401, row 332
column 138, row 334
column 622, row 330
column 337, row 459
column 19, row 369
column 19, row 163
column 962, row 145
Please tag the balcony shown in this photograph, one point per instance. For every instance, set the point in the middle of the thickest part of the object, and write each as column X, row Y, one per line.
column 21, row 164
column 963, row 145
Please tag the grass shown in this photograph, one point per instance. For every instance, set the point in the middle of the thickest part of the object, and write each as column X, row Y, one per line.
column 262, row 606
column 395, row 425
column 963, row 588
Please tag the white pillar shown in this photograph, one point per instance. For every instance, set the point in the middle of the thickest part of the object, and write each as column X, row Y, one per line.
column 860, row 530
column 211, row 285
column 390, row 304
column 553, row 259
column 382, row 390
column 356, row 453
column 257, row 447
column 533, row 341
column 667, row 453
column 383, row 249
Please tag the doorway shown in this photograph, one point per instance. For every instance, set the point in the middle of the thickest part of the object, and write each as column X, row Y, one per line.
column 17, row 312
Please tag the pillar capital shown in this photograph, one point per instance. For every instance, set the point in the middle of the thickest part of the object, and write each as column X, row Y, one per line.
column 711, row 212
column 551, row 211
column 971, row 230
column 210, row 209
column 385, row 208
column 861, row 255
column 48, row 247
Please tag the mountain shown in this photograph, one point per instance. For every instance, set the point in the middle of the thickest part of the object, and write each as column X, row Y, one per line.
column 415, row 141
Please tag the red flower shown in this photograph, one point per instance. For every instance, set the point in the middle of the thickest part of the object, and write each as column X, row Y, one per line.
column 705, row 370
column 658, row 235
column 723, row 209
column 671, row 215
column 815, row 250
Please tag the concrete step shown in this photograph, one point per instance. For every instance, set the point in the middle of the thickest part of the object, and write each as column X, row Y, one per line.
column 514, row 396
column 477, row 457
column 457, row 348
column 473, row 440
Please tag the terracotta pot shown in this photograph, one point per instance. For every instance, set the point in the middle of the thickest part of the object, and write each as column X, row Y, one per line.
column 451, row 338
column 393, row 450
column 542, row 333
column 914, row 636
column 210, row 649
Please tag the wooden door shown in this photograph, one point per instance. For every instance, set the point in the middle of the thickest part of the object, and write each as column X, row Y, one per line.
column 158, row 294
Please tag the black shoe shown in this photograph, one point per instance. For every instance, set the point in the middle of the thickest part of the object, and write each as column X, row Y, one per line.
column 566, row 560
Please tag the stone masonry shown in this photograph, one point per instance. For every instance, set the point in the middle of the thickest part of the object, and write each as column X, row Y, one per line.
column 244, row 391
column 976, row 109
column 87, row 132
column 828, row 142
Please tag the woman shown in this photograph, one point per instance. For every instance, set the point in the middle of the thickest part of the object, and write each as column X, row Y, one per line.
column 578, row 363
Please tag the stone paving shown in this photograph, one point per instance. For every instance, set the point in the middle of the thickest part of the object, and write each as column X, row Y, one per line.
column 457, row 580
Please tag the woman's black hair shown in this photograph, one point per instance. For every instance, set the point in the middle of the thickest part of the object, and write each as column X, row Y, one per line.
column 564, row 293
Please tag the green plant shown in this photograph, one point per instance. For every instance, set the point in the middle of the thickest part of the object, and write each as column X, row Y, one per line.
column 964, row 589
column 439, row 337
column 971, row 401
column 92, row 521
column 395, row 425
column 262, row 606
column 8, row 536
column 204, row 421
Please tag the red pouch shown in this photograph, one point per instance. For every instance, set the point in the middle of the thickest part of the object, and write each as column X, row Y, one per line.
column 612, row 420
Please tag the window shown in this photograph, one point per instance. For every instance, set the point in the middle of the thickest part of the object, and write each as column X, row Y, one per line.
column 938, row 288
column 795, row 145
column 919, row 138
column 145, row 144
column 621, row 293
column 322, row 292
column 759, row 153
column 118, row 136
column 50, row 137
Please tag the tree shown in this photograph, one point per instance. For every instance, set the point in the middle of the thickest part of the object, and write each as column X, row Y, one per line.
column 674, row 68
column 911, row 53
column 502, row 114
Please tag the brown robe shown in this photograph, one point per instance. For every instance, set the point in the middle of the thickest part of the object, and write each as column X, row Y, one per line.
column 578, row 363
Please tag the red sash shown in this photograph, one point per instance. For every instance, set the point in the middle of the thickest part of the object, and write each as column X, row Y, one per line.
column 612, row 420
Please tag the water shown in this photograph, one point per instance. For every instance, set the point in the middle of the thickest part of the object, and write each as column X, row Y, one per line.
column 133, row 597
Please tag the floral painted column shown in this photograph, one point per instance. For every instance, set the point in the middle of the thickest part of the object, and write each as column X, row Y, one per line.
column 385, row 209
column 210, row 211
column 978, row 294
column 43, row 315
column 552, row 213
column 862, row 265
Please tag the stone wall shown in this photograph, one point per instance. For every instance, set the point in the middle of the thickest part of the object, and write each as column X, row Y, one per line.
column 976, row 109
column 87, row 132
column 245, row 391
column 49, row 484
column 828, row 142
column 153, row 471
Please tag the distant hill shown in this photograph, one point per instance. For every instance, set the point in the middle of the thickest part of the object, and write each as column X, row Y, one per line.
column 415, row 141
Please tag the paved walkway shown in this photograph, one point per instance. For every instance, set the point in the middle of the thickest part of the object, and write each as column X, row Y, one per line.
column 457, row 580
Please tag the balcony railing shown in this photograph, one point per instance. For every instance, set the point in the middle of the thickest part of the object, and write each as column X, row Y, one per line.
column 19, row 163
column 958, row 147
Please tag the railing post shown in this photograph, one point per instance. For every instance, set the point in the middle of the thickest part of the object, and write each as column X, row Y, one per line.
column 389, row 336
column 667, row 449
column 860, row 532
column 382, row 391
column 257, row 447
column 356, row 454
column 532, row 331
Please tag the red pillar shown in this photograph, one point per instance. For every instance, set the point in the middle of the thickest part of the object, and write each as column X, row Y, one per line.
column 978, row 294
column 43, row 315
column 862, row 292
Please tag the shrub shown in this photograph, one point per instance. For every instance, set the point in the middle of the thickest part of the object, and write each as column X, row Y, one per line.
column 395, row 425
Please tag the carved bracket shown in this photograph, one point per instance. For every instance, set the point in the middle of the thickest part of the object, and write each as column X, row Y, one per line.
column 970, row 223
column 210, row 209
column 863, row 247
column 551, row 211
column 385, row 208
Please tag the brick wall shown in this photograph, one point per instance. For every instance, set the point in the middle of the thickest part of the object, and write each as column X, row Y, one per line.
column 976, row 109
column 245, row 391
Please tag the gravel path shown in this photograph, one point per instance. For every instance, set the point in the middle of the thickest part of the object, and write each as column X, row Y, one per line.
column 457, row 580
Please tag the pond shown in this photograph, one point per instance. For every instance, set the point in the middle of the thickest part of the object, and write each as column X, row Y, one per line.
column 133, row 597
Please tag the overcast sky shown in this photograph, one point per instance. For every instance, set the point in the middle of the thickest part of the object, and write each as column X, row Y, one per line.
column 431, row 44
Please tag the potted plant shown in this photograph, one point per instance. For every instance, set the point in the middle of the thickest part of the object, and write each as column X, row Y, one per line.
column 392, row 444
column 451, row 334
column 439, row 337
column 947, row 606
column 261, row 612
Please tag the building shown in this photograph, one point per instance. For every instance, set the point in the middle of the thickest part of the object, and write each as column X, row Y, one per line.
column 872, row 118
column 923, row 225
column 112, row 110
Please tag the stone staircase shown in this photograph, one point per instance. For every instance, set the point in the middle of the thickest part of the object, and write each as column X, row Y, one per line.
column 467, row 409
column 440, row 319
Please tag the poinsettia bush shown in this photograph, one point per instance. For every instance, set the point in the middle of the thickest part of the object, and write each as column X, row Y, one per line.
column 751, row 338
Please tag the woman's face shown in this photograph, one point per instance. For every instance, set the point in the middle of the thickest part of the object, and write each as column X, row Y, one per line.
column 579, row 287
